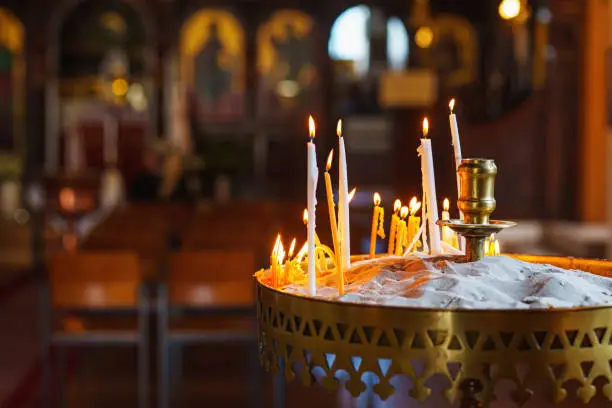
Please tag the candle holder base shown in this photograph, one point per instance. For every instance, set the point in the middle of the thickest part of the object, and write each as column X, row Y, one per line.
column 475, row 235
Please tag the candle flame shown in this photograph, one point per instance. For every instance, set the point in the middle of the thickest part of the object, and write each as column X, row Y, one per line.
column 425, row 127
column 446, row 204
column 339, row 128
column 397, row 205
column 451, row 105
column 404, row 212
column 281, row 253
column 277, row 245
column 311, row 127
column 330, row 158
column 377, row 199
column 305, row 216
column 291, row 249
column 302, row 252
column 414, row 205
column 352, row 194
column 496, row 249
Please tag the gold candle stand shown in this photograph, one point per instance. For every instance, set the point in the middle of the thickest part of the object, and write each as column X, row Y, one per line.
column 473, row 350
column 476, row 202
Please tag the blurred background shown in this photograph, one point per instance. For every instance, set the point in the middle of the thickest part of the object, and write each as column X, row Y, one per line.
column 151, row 150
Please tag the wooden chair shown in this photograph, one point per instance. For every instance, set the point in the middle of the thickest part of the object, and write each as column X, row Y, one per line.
column 94, row 298
column 209, row 297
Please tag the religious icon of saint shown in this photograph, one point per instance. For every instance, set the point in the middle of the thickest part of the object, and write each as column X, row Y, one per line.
column 212, row 79
column 285, row 62
column 212, row 59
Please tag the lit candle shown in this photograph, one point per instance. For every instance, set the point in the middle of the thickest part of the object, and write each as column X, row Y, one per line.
column 429, row 190
column 455, row 139
column 274, row 261
column 279, row 260
column 377, row 224
column 456, row 142
column 414, row 222
column 492, row 247
column 332, row 207
column 344, row 238
column 496, row 248
column 290, row 264
column 447, row 233
column 313, row 175
column 392, row 230
column 400, row 236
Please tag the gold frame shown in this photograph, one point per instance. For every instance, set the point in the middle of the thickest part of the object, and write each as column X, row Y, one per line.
column 524, row 346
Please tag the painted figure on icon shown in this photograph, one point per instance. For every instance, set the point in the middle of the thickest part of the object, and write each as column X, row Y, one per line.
column 212, row 63
column 288, row 76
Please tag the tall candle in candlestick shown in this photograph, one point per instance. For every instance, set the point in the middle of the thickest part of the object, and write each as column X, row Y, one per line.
column 343, row 204
column 414, row 222
column 393, row 229
column 400, row 235
column 429, row 188
column 377, row 224
column 312, row 177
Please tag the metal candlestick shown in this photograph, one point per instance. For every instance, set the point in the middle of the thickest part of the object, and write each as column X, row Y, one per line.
column 477, row 202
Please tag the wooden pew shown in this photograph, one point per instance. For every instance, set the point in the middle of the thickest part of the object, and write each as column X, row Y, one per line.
column 96, row 298
column 209, row 297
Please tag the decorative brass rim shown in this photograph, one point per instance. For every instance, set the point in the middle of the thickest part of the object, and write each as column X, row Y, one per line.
column 486, row 346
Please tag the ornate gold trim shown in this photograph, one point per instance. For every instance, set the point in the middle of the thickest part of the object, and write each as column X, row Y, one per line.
column 485, row 346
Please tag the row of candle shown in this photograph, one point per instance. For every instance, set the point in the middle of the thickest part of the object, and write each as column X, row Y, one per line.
column 402, row 233
column 340, row 225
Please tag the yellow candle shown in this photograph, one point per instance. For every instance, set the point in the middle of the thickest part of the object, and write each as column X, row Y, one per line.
column 496, row 248
column 290, row 264
column 331, row 206
column 400, row 235
column 393, row 229
column 274, row 261
column 279, row 268
column 447, row 233
column 377, row 224
column 414, row 222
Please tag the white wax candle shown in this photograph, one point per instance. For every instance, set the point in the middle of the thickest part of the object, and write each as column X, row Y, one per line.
column 455, row 140
column 429, row 187
column 457, row 149
column 343, row 203
column 313, row 175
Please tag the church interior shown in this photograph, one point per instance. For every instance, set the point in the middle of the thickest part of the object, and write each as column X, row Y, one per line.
column 160, row 145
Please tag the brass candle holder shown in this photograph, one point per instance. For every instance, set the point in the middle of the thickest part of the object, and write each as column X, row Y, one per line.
column 477, row 203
